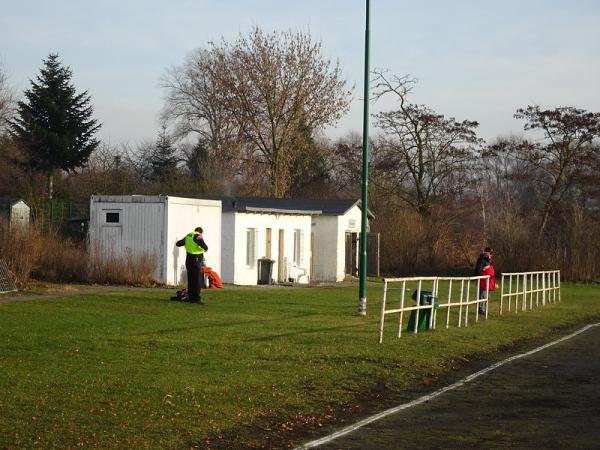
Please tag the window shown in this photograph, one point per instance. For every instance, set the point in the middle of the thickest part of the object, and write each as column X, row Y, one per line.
column 298, row 247
column 251, row 243
column 113, row 217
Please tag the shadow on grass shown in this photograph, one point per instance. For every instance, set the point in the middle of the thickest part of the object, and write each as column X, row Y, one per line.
column 222, row 325
column 301, row 332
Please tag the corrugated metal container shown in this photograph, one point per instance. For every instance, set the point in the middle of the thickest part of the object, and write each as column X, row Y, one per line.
column 149, row 226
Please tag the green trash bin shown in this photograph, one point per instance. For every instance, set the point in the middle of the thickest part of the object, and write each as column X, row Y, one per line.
column 426, row 298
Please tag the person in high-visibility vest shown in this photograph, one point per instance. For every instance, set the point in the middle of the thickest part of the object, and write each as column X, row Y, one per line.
column 194, row 248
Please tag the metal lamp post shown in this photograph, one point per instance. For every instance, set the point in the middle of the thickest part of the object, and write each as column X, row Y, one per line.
column 362, row 294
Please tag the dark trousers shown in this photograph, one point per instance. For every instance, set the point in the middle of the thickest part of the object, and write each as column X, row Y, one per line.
column 193, row 265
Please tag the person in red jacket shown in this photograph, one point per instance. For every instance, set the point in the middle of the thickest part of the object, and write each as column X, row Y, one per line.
column 484, row 284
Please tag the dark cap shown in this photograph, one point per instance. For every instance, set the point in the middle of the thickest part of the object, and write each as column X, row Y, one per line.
column 488, row 250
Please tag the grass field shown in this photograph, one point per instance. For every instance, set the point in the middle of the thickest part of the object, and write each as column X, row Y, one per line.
column 255, row 367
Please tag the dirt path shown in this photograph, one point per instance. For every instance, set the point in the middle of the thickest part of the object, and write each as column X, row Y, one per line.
column 7, row 298
column 550, row 399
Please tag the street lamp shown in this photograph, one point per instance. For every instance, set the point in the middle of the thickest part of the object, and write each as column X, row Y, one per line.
column 362, row 291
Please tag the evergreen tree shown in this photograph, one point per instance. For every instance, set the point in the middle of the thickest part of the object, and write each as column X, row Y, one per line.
column 164, row 160
column 197, row 161
column 54, row 124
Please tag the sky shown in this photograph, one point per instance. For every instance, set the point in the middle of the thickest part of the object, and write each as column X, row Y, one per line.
column 473, row 59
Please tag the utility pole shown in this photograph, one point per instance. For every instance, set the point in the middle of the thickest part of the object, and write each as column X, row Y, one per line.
column 362, row 294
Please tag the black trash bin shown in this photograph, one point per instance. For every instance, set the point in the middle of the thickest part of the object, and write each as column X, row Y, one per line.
column 426, row 298
column 265, row 270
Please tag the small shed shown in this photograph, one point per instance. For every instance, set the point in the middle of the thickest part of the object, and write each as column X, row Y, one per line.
column 336, row 240
column 148, row 226
column 306, row 239
column 15, row 210
column 268, row 231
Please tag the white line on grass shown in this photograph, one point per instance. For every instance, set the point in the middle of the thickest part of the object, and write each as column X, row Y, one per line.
column 426, row 398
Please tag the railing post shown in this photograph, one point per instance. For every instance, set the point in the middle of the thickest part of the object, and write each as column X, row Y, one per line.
column 477, row 301
column 537, row 290
column 382, row 319
column 418, row 310
column 434, row 291
column 525, row 291
column 487, row 298
column 517, row 294
column 449, row 301
column 467, row 304
column 401, row 315
column 460, row 303
column 501, row 293
column 544, row 288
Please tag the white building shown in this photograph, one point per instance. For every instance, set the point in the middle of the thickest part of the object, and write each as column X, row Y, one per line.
column 306, row 239
column 258, row 229
column 336, row 240
column 148, row 226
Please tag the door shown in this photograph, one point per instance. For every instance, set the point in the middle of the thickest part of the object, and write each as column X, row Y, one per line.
column 373, row 247
column 281, row 263
column 312, row 252
column 268, row 244
column 351, row 265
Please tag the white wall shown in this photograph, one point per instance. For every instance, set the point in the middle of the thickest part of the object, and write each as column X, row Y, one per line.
column 149, row 226
column 234, row 239
column 326, row 248
column 330, row 243
column 183, row 215
column 227, row 246
column 349, row 222
column 139, row 231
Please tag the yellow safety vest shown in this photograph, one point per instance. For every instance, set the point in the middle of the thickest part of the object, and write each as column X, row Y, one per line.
column 191, row 246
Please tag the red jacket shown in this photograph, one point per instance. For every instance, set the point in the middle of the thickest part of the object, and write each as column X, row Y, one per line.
column 488, row 270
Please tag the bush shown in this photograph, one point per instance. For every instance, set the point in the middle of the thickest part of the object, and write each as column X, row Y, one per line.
column 52, row 257
column 129, row 269
column 61, row 260
column 21, row 249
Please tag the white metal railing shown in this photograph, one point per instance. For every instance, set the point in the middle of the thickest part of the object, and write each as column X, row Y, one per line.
column 467, row 295
column 524, row 286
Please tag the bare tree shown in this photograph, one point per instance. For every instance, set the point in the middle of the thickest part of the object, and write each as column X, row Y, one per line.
column 7, row 99
column 429, row 155
column 270, row 90
column 195, row 105
column 557, row 161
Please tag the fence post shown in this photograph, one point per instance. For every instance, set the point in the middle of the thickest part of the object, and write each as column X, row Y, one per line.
column 418, row 306
column 401, row 315
column 544, row 288
column 449, row 301
column 487, row 298
column 434, row 293
column 477, row 301
column 501, row 293
column 460, row 307
column 525, row 284
column 467, row 304
column 382, row 320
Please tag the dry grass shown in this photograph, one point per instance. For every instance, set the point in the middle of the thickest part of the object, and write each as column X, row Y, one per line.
column 129, row 269
column 52, row 257
column 20, row 248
